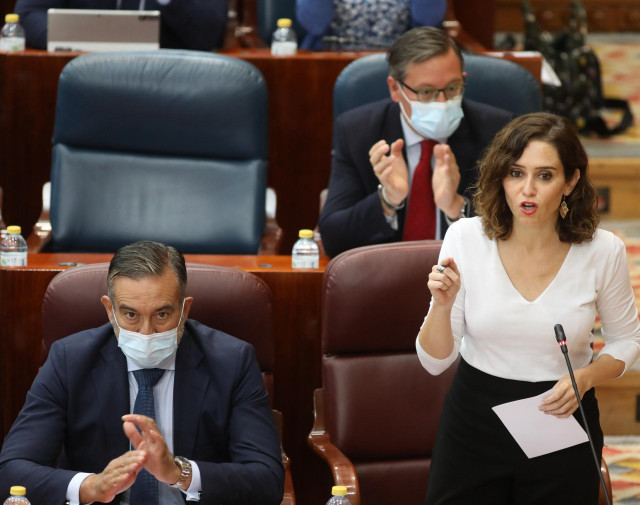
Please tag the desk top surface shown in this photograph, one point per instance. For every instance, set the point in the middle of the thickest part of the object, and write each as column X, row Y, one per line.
column 250, row 263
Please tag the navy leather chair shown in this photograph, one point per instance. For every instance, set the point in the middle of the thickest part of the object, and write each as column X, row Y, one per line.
column 161, row 145
column 493, row 81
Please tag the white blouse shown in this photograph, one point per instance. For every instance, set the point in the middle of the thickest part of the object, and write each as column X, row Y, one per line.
column 499, row 332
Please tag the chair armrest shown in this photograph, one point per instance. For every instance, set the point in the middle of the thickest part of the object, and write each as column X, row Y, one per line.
column 272, row 236
column 242, row 25
column 2, row 224
column 289, row 497
column 344, row 473
column 41, row 232
column 602, row 500
column 317, row 238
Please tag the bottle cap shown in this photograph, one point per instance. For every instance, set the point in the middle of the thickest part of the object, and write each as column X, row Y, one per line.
column 18, row 490
column 339, row 490
column 14, row 230
column 301, row 233
column 284, row 23
column 11, row 18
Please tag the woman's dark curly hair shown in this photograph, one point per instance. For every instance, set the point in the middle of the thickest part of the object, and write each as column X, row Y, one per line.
column 507, row 147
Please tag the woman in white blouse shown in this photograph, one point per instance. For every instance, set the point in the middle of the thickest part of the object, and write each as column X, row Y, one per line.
column 533, row 258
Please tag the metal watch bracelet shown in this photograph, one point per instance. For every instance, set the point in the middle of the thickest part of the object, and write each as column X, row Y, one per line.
column 185, row 471
column 464, row 212
column 383, row 198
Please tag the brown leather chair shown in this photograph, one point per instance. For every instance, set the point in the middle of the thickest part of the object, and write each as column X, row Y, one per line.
column 233, row 301
column 378, row 411
column 381, row 408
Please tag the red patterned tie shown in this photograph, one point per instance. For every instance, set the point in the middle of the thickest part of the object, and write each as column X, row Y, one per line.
column 420, row 222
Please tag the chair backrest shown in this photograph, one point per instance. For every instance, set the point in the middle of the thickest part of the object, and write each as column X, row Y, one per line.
column 381, row 407
column 162, row 145
column 222, row 299
column 493, row 81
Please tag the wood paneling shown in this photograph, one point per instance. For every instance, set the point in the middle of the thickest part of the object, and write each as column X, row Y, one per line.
column 552, row 15
column 619, row 404
column 620, row 177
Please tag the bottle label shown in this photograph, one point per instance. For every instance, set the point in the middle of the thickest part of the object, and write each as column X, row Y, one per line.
column 304, row 261
column 13, row 259
column 12, row 44
column 284, row 48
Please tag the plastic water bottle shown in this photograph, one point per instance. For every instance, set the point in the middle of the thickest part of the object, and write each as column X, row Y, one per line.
column 283, row 41
column 13, row 248
column 17, row 496
column 339, row 496
column 305, row 253
column 12, row 34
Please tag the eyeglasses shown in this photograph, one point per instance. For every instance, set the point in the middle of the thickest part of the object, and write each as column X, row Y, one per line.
column 432, row 94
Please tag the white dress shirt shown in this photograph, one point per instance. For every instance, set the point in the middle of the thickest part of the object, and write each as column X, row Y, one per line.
column 163, row 399
column 499, row 332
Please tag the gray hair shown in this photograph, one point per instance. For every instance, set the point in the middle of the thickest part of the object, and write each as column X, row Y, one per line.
column 146, row 259
column 418, row 45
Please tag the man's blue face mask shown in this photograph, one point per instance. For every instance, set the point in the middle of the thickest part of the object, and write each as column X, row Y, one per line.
column 434, row 120
column 148, row 351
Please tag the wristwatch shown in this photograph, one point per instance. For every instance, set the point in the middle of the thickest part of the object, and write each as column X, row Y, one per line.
column 463, row 211
column 383, row 198
column 185, row 471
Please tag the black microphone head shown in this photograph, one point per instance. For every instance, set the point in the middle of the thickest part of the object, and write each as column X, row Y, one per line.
column 559, row 333
column 560, row 337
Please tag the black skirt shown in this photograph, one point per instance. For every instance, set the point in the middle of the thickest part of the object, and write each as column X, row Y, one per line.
column 476, row 460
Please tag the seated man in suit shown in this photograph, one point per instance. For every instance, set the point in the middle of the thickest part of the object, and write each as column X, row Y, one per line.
column 403, row 167
column 92, row 405
column 184, row 24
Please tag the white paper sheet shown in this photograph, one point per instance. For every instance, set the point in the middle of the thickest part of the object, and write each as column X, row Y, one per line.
column 538, row 433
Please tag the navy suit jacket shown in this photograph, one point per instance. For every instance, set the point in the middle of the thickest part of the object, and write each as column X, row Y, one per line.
column 352, row 215
column 184, row 24
column 222, row 418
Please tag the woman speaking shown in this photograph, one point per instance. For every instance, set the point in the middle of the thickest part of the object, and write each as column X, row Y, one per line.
column 533, row 258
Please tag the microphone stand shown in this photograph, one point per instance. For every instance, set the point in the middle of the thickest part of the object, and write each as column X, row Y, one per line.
column 562, row 341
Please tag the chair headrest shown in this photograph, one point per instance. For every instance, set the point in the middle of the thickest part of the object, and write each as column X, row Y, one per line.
column 168, row 102
column 493, row 81
column 375, row 298
column 222, row 299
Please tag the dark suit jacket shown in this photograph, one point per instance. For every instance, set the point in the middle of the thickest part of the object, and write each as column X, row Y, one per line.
column 222, row 418
column 184, row 24
column 352, row 215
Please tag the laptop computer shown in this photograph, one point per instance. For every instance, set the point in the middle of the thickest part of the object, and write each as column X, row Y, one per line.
column 102, row 30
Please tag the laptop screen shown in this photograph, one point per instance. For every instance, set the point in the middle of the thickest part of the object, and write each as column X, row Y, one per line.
column 102, row 30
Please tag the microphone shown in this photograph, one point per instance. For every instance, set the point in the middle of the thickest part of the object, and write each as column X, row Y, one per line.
column 562, row 342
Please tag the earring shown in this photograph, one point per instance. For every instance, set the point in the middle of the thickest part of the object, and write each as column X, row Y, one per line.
column 564, row 209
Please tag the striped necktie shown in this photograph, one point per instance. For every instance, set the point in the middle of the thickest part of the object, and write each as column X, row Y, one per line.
column 145, row 489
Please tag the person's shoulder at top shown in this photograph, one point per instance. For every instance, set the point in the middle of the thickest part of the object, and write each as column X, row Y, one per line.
column 367, row 111
column 214, row 339
column 472, row 109
column 467, row 228
column 604, row 240
column 86, row 338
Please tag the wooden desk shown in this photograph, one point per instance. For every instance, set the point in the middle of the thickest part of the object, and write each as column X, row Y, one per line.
column 296, row 301
column 300, row 129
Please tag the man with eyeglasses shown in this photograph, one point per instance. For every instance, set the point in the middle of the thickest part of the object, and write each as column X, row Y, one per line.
column 403, row 167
